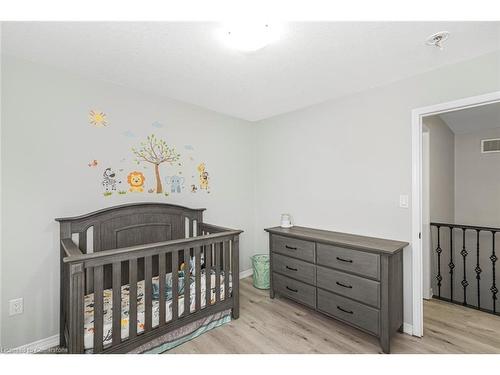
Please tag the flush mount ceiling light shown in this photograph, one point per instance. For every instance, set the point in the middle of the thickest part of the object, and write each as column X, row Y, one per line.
column 249, row 37
column 437, row 39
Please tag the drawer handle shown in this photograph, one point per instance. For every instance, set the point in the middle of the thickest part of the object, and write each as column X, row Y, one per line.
column 290, row 247
column 346, row 311
column 344, row 260
column 343, row 285
column 292, row 290
column 291, row 269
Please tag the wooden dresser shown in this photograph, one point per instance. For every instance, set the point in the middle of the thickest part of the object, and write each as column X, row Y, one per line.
column 355, row 279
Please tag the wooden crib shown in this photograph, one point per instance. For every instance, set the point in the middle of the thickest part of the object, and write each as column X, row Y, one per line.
column 122, row 245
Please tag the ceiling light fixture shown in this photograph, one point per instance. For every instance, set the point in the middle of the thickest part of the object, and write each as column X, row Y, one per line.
column 249, row 37
column 437, row 39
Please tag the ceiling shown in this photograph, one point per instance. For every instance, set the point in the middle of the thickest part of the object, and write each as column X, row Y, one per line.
column 312, row 63
column 473, row 119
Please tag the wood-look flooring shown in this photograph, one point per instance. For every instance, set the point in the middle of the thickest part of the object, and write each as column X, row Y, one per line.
column 282, row 326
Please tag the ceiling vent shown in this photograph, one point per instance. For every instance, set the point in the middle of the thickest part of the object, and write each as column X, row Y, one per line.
column 490, row 145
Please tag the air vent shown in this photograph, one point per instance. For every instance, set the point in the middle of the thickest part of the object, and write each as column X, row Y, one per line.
column 490, row 145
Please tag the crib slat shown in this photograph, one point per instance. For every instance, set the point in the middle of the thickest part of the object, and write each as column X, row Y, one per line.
column 217, row 271
column 186, row 281
column 117, row 302
column 208, row 275
column 133, row 298
column 161, row 276
column 148, row 291
column 197, row 271
column 226, row 269
column 98, row 308
column 175, row 285
column 82, row 245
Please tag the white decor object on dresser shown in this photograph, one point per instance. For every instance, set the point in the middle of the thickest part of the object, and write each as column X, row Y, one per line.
column 286, row 221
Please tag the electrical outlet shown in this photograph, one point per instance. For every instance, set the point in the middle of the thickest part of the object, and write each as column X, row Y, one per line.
column 16, row 306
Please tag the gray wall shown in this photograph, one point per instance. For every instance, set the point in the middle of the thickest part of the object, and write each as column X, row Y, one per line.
column 442, row 170
column 342, row 165
column 477, row 180
column 441, row 188
column 46, row 144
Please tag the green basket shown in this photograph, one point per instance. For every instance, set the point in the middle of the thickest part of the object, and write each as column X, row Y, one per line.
column 260, row 265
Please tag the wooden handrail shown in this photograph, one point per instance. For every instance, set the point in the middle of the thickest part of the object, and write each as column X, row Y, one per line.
column 139, row 251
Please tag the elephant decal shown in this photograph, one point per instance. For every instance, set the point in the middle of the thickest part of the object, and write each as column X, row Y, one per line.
column 176, row 183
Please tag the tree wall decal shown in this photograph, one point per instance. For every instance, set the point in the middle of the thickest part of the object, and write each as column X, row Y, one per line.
column 156, row 151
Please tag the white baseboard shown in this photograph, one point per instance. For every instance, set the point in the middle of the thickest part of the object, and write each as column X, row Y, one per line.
column 408, row 328
column 246, row 273
column 37, row 346
column 53, row 341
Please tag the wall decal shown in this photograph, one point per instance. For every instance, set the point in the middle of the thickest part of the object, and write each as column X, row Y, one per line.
column 98, row 119
column 129, row 134
column 194, row 188
column 156, row 151
column 93, row 163
column 189, row 147
column 136, row 181
column 203, row 176
column 176, row 183
column 109, row 181
column 157, row 125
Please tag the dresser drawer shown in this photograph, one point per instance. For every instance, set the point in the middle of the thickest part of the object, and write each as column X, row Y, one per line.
column 349, row 311
column 295, row 290
column 295, row 268
column 359, row 262
column 294, row 247
column 355, row 287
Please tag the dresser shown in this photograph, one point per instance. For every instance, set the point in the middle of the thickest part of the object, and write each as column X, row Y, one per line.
column 355, row 279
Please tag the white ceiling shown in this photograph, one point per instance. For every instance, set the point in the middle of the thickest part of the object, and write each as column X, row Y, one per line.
column 473, row 119
column 313, row 62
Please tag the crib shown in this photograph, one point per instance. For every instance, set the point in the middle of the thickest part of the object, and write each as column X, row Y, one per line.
column 111, row 256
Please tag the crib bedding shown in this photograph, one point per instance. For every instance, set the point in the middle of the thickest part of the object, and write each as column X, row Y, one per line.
column 108, row 306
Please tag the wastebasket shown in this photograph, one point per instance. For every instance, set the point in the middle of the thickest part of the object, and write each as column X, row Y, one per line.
column 260, row 265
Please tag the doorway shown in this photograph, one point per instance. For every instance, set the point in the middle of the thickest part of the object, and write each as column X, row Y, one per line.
column 420, row 199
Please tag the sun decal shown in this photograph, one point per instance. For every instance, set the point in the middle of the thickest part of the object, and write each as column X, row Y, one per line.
column 98, row 118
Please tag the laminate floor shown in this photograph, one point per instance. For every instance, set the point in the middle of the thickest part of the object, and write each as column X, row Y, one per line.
column 282, row 326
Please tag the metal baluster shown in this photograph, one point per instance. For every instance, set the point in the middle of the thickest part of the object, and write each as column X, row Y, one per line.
column 493, row 259
column 464, row 253
column 451, row 265
column 478, row 271
column 439, row 278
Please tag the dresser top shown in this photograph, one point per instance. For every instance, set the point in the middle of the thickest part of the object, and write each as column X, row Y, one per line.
column 379, row 245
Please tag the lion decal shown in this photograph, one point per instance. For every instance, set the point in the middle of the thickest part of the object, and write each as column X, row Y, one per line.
column 136, row 181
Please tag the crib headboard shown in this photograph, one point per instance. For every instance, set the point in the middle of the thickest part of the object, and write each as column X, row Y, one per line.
column 131, row 224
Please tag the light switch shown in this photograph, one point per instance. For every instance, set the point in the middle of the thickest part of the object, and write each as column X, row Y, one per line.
column 403, row 201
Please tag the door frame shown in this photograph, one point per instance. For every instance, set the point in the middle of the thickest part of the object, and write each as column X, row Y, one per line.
column 416, row 189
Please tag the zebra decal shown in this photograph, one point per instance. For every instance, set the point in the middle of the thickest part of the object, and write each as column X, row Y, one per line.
column 108, row 180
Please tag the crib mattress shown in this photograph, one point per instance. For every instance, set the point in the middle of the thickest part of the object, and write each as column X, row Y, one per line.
column 108, row 307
